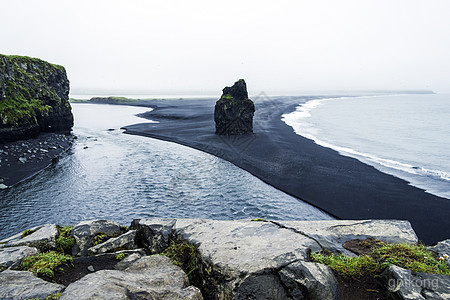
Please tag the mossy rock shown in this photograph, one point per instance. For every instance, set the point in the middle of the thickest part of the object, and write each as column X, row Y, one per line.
column 34, row 98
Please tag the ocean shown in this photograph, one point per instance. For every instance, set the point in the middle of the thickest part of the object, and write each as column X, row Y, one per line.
column 406, row 135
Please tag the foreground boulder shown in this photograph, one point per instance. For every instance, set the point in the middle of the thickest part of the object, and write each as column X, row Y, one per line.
column 12, row 256
column 151, row 277
column 42, row 237
column 34, row 98
column 24, row 285
column 234, row 111
column 404, row 284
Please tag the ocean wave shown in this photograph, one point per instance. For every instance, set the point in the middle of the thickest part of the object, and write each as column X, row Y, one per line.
column 298, row 121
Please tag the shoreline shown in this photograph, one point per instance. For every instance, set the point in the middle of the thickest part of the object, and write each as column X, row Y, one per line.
column 24, row 159
column 342, row 186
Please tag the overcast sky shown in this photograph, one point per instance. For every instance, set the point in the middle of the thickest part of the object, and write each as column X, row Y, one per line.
column 201, row 46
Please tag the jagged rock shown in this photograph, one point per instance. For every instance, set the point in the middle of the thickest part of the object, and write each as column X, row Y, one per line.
column 84, row 232
column 124, row 241
column 37, row 93
column 153, row 234
column 43, row 238
column 151, row 277
column 24, row 285
column 413, row 286
column 233, row 112
column 442, row 248
column 332, row 234
column 12, row 256
column 308, row 280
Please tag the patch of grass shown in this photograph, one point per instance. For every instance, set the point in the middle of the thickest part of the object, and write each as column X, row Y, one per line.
column 65, row 242
column 120, row 256
column 45, row 264
column 185, row 256
column 54, row 296
column 99, row 238
column 415, row 258
column 26, row 233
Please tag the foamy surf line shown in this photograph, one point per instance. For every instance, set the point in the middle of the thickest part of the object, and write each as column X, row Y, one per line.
column 298, row 121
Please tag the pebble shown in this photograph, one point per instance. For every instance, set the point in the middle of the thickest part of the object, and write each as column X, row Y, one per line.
column 91, row 269
column 3, row 186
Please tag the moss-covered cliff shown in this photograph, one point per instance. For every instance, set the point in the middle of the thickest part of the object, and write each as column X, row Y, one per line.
column 34, row 97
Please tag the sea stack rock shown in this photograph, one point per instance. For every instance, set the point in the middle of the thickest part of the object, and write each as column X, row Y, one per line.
column 34, row 98
column 234, row 111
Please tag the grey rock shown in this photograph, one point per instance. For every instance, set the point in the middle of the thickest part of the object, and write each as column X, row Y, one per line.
column 3, row 186
column 308, row 280
column 43, row 238
column 125, row 240
column 153, row 234
column 151, row 277
column 331, row 234
column 243, row 247
column 91, row 269
column 233, row 112
column 12, row 256
column 24, row 285
column 407, row 285
column 442, row 248
column 242, row 258
column 127, row 261
column 85, row 231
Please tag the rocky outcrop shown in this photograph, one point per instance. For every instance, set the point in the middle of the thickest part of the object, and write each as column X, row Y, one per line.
column 34, row 98
column 234, row 111
column 42, row 237
column 85, row 232
column 151, row 277
column 240, row 259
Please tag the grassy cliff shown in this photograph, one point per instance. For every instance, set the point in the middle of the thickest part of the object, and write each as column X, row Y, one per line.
column 34, row 98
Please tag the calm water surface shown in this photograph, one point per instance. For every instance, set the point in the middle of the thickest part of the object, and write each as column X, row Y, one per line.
column 121, row 177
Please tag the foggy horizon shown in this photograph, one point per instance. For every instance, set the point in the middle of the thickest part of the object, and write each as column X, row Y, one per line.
column 199, row 47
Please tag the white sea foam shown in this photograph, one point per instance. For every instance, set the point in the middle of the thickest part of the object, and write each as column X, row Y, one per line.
column 300, row 121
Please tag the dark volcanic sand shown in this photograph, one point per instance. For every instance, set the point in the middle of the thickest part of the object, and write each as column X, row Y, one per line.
column 339, row 185
column 22, row 159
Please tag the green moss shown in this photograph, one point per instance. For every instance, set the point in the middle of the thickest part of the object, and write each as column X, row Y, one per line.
column 258, row 220
column 54, row 296
column 121, row 256
column 99, row 238
column 408, row 256
column 185, row 256
column 65, row 242
column 26, row 233
column 45, row 264
column 26, row 93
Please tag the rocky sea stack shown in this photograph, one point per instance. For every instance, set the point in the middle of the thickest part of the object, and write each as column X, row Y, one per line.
column 234, row 111
column 34, row 98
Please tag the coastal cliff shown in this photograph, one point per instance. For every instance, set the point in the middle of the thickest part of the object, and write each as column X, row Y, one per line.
column 34, row 98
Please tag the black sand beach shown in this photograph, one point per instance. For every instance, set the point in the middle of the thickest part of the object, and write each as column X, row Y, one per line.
column 23, row 159
column 339, row 185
